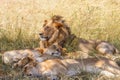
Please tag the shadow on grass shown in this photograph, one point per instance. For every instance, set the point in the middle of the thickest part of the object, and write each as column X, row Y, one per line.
column 19, row 43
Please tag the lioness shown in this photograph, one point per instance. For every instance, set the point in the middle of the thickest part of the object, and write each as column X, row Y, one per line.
column 22, row 62
column 103, row 47
column 54, row 31
column 13, row 56
column 55, row 67
column 9, row 57
column 53, row 51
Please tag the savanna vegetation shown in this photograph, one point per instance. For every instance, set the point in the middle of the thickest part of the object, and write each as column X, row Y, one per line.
column 21, row 20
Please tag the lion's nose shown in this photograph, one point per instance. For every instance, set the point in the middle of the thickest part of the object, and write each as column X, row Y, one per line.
column 40, row 34
column 52, row 53
column 29, row 74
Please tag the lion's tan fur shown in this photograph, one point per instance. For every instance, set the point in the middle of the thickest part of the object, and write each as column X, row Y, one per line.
column 54, row 31
column 70, row 67
column 20, row 56
column 58, row 32
column 12, row 56
column 102, row 47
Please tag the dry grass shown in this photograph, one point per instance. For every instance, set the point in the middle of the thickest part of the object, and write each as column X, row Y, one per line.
column 21, row 20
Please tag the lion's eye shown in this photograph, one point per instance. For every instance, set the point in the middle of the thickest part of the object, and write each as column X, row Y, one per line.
column 57, row 50
column 47, row 27
column 52, row 53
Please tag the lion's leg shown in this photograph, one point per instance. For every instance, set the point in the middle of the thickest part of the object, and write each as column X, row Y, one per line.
column 43, row 44
column 107, row 73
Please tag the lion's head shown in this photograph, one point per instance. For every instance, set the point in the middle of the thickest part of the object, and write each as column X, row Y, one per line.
column 48, row 29
column 31, row 70
column 54, row 30
column 54, row 50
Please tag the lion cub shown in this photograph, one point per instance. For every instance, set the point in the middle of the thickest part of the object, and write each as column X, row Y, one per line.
column 55, row 67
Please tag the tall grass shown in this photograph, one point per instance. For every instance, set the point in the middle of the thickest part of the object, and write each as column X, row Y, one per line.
column 21, row 20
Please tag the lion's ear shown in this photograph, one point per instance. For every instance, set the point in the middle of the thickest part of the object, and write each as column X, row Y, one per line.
column 63, row 21
column 45, row 22
column 53, row 46
column 40, row 50
column 30, row 59
column 34, row 63
column 57, row 25
column 56, row 18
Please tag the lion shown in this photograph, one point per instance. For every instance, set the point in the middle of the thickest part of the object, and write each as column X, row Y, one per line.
column 53, row 68
column 22, row 62
column 54, row 31
column 13, row 56
column 53, row 51
column 102, row 47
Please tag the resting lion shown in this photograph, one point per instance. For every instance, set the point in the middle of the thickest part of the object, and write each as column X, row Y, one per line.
column 54, row 31
column 15, row 56
column 102, row 47
column 53, row 68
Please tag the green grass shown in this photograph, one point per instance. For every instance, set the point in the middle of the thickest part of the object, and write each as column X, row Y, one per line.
column 21, row 20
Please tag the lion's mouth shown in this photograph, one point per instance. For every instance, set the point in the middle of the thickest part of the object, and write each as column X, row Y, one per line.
column 44, row 38
column 53, row 53
column 56, row 54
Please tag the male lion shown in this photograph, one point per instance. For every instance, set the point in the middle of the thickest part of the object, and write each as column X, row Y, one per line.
column 55, row 67
column 54, row 31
